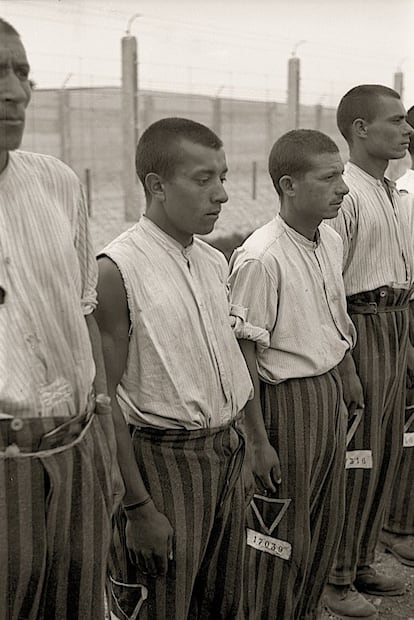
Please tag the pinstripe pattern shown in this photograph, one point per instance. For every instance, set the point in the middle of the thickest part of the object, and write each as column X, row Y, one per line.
column 185, row 473
column 292, row 343
column 48, row 270
column 400, row 513
column 376, row 235
column 55, row 512
column 305, row 420
column 380, row 359
column 177, row 298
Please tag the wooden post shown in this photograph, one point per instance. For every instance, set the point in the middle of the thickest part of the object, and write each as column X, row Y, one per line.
column 254, row 180
column 293, row 92
column 64, row 125
column 129, row 126
column 88, row 190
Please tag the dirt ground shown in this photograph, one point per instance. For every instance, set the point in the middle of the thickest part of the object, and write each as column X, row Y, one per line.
column 391, row 607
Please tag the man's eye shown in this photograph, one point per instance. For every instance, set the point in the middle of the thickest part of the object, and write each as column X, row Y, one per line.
column 22, row 73
column 203, row 181
column 223, row 179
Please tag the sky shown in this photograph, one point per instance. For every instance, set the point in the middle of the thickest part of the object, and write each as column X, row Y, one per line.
column 227, row 48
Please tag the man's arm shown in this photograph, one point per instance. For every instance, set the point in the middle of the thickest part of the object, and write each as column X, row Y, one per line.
column 265, row 461
column 352, row 389
column 100, row 384
column 148, row 532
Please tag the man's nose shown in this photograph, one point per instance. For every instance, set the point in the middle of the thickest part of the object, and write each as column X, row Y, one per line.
column 220, row 194
column 12, row 89
column 343, row 188
column 408, row 128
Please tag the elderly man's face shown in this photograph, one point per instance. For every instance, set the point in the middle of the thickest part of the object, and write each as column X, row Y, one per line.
column 15, row 91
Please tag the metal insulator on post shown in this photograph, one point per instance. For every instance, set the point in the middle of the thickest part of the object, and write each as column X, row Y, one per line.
column 129, row 125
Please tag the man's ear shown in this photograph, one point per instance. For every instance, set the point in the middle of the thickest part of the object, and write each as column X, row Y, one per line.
column 359, row 128
column 287, row 185
column 155, row 186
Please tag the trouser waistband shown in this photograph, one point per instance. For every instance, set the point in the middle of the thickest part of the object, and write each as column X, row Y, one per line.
column 25, row 436
column 377, row 301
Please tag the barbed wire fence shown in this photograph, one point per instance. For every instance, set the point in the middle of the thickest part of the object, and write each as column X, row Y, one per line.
column 82, row 123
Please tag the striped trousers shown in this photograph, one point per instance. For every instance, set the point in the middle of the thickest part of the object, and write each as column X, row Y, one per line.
column 400, row 510
column 55, row 514
column 306, row 423
column 381, row 319
column 194, row 478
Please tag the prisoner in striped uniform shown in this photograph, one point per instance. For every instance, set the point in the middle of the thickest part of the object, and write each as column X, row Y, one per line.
column 57, row 456
column 397, row 536
column 378, row 274
column 289, row 302
column 181, row 384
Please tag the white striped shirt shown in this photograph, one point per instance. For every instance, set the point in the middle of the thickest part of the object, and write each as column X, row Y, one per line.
column 376, row 235
column 184, row 367
column 288, row 296
column 48, row 272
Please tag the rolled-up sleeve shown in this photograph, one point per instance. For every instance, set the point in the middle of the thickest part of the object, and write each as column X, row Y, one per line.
column 254, row 300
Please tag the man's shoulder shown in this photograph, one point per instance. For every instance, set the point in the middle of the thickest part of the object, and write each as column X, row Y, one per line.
column 264, row 240
column 43, row 164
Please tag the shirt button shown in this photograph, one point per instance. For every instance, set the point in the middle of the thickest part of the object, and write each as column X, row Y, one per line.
column 383, row 293
column 11, row 450
column 16, row 424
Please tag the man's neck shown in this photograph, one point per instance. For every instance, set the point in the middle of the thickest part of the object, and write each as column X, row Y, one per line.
column 374, row 167
column 307, row 230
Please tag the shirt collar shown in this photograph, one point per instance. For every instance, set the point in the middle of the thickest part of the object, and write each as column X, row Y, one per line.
column 171, row 244
column 307, row 243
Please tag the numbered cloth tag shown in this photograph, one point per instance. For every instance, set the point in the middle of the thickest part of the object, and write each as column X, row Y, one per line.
column 274, row 546
column 358, row 459
column 268, row 511
column 408, row 441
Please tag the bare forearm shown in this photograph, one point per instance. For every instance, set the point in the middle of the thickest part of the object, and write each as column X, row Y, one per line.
column 100, row 383
column 135, row 490
column 254, row 424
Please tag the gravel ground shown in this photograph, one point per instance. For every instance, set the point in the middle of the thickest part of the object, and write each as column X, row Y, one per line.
column 391, row 607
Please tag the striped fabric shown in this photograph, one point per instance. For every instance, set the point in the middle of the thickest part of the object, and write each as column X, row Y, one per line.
column 55, row 509
column 400, row 511
column 380, row 359
column 288, row 296
column 376, row 235
column 48, row 272
column 202, row 495
column 306, row 423
column 184, row 367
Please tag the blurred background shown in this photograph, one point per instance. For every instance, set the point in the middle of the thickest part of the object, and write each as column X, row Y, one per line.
column 251, row 70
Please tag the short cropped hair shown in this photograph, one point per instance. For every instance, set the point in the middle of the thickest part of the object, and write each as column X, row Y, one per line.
column 291, row 154
column 7, row 28
column 410, row 120
column 360, row 102
column 157, row 152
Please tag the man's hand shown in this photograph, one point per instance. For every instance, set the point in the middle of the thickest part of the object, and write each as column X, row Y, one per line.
column 149, row 539
column 353, row 393
column 265, row 466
